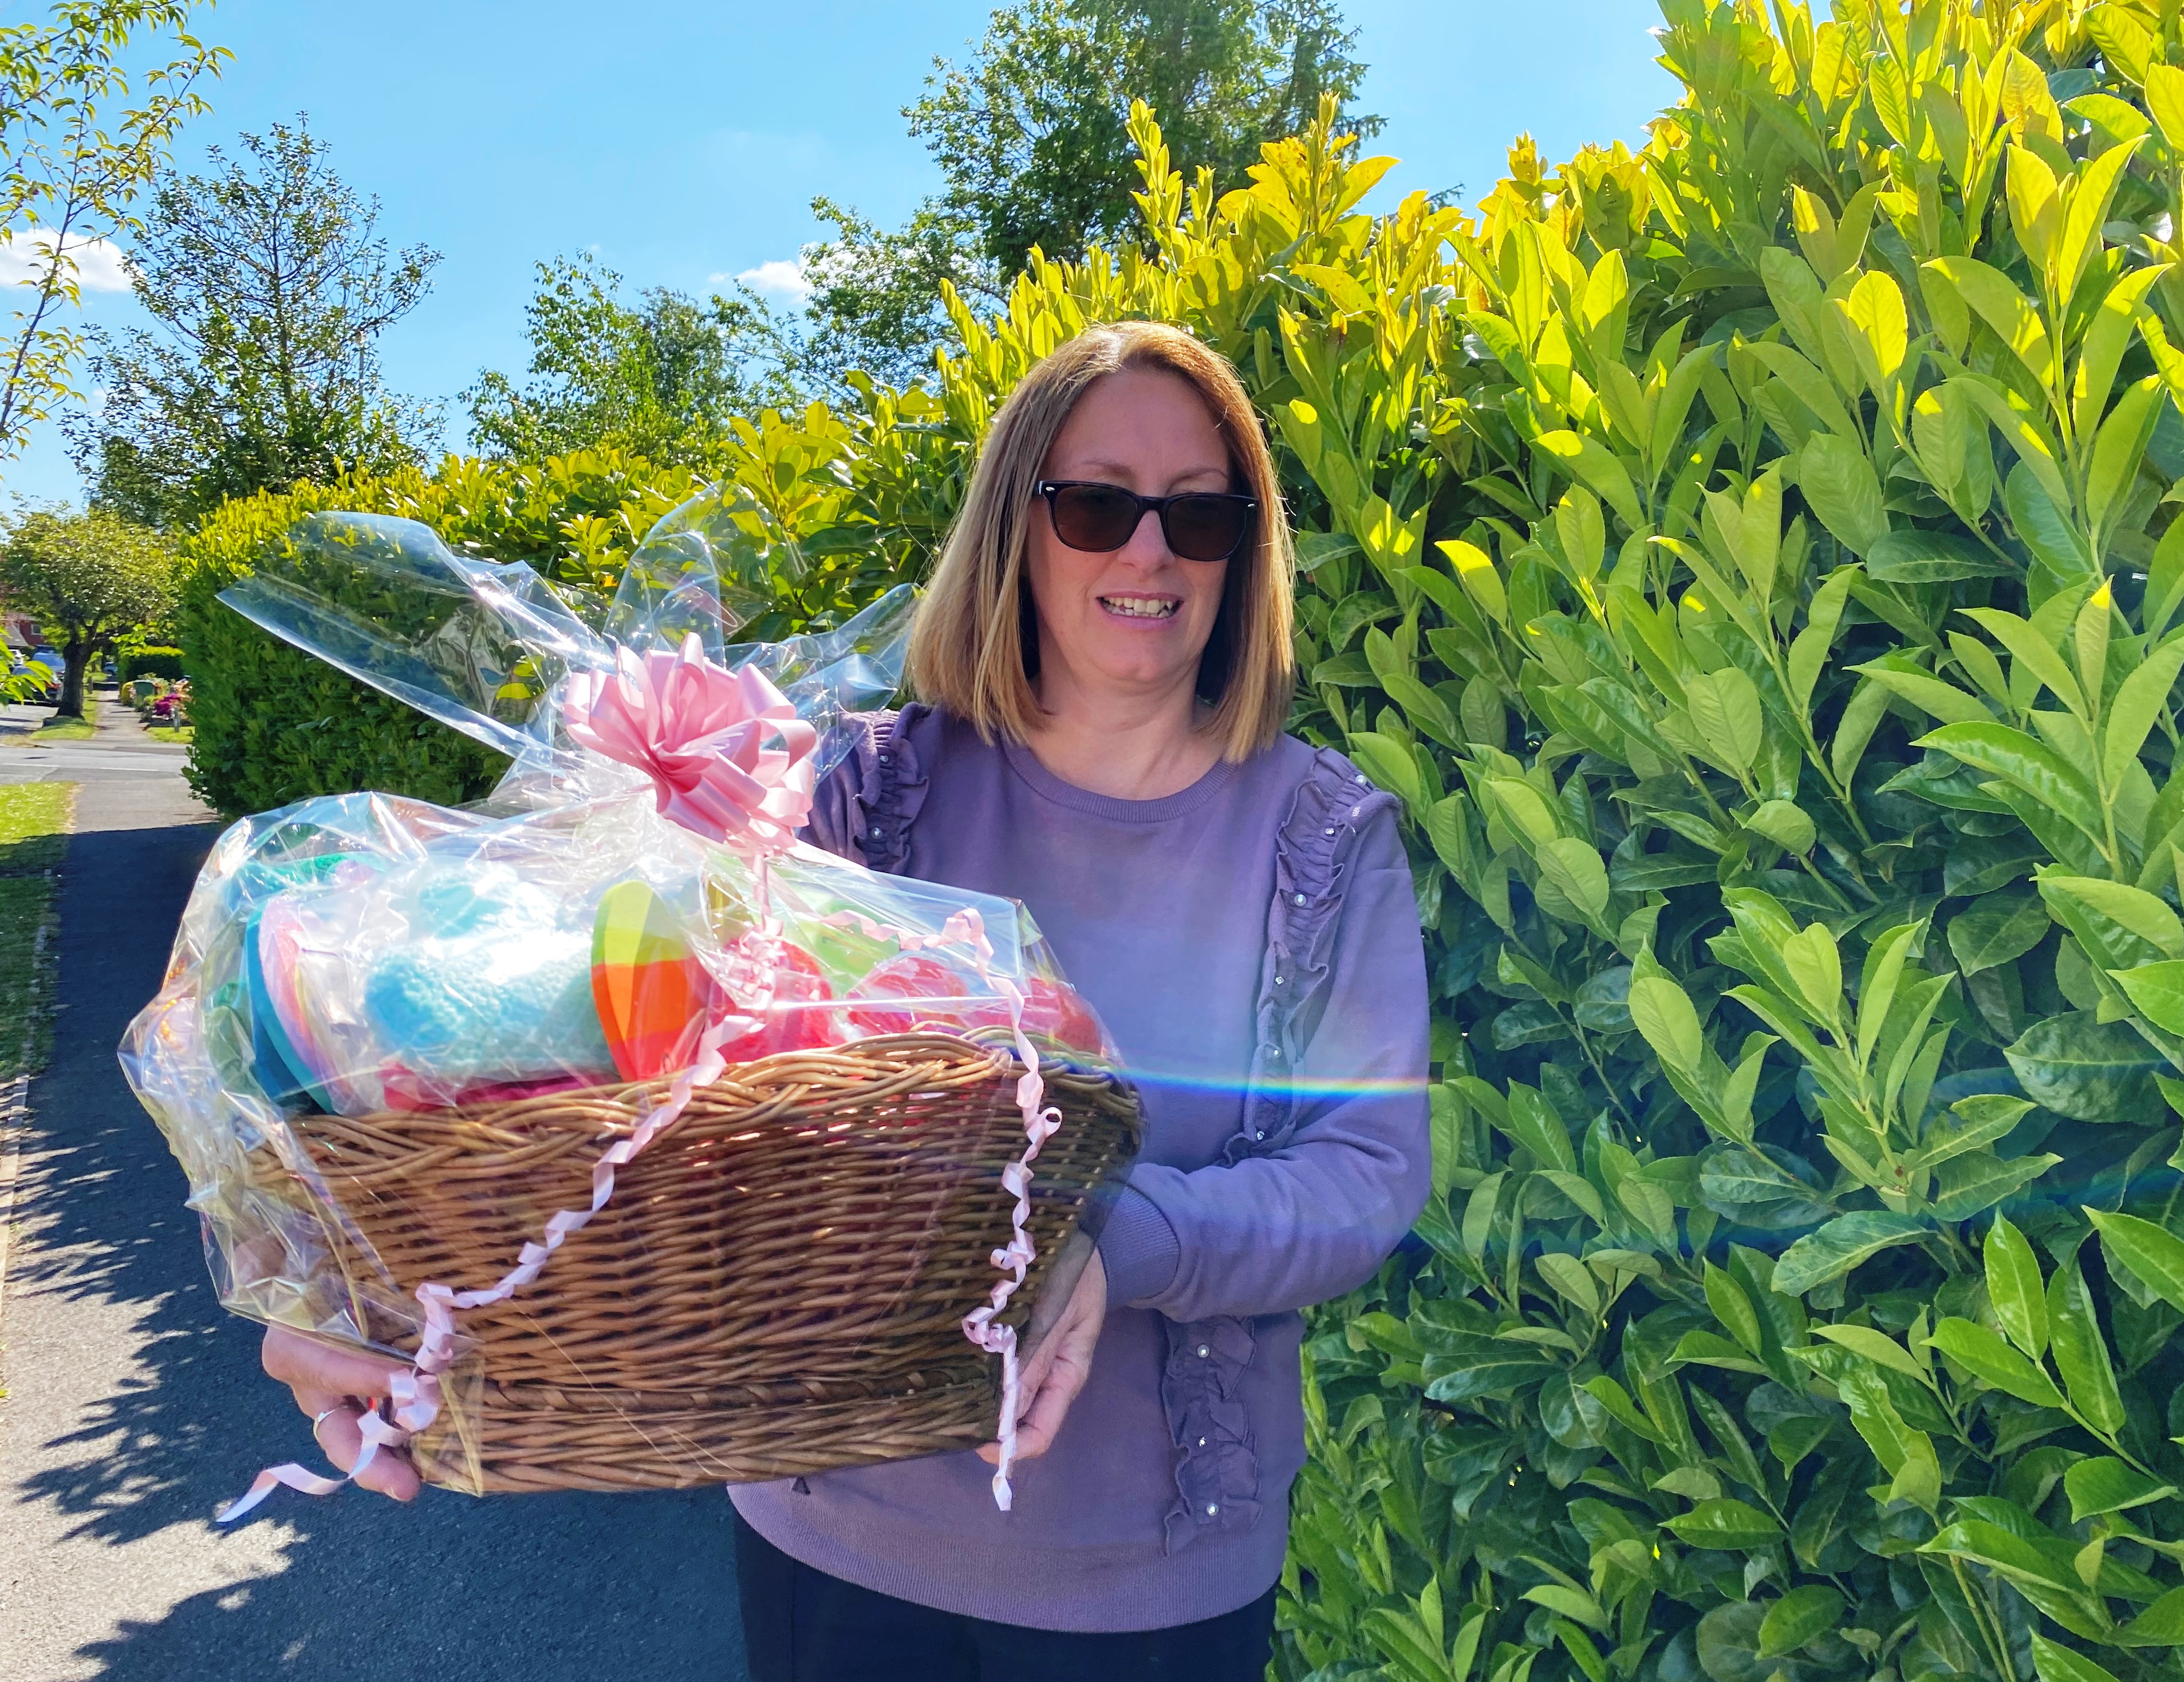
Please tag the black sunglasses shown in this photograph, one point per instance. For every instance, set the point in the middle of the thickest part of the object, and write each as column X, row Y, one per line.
column 1099, row 518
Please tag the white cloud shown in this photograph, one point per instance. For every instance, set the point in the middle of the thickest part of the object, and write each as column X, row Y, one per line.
column 778, row 277
column 98, row 265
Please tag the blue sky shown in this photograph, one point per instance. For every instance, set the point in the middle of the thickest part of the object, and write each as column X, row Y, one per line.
column 685, row 140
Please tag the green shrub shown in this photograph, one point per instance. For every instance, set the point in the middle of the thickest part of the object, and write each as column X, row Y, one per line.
column 165, row 663
column 1750, row 562
column 274, row 725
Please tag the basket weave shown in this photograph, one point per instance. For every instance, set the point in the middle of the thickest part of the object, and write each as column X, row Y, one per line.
column 776, row 1286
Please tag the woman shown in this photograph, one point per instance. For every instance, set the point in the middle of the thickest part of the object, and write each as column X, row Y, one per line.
column 1105, row 668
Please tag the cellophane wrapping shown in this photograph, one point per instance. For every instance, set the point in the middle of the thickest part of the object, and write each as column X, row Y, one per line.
column 368, row 954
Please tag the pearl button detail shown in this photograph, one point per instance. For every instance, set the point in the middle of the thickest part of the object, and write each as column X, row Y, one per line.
column 1202, row 1442
column 1299, row 899
column 1212, row 1507
column 1203, row 1351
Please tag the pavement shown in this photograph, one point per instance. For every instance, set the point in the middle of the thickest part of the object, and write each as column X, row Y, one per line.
column 132, row 1406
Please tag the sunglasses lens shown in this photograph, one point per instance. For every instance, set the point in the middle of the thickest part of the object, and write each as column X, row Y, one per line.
column 1096, row 517
column 1207, row 528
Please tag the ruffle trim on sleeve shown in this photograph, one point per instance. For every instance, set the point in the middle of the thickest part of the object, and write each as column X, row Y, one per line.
column 1217, row 1471
column 1312, row 853
column 890, row 788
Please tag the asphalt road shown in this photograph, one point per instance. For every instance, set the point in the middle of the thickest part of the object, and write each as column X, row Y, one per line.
column 133, row 1406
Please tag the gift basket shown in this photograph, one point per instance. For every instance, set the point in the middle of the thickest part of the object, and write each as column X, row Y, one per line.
column 653, row 1146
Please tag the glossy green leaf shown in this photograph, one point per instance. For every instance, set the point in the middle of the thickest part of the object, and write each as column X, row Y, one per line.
column 1840, row 1246
column 1908, row 556
column 1841, row 487
column 2081, row 1353
column 1734, row 1309
column 2106, row 1485
column 2054, row 1662
column 2086, row 1069
column 2140, row 700
column 1725, row 711
column 1533, row 1124
column 1944, row 700
column 1664, row 1015
column 1877, row 1346
column 1966, row 1185
column 1997, row 929
column 2153, row 1253
column 2160, row 1625
column 2133, row 910
column 2014, row 1287
column 1983, row 1354
column 1798, row 1617
column 1783, row 823
column 1725, row 1522
column 1980, row 1121
column 2026, row 763
column 2157, row 992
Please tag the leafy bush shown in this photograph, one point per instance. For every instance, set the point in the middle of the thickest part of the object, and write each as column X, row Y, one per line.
column 165, row 663
column 1749, row 561
column 274, row 725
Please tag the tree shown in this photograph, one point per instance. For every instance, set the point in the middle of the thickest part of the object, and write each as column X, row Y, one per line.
column 1031, row 137
column 72, row 164
column 88, row 578
column 659, row 379
column 270, row 289
column 876, row 294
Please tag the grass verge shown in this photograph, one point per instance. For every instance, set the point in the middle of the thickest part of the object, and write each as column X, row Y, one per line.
column 64, row 730
column 33, row 834
column 171, row 733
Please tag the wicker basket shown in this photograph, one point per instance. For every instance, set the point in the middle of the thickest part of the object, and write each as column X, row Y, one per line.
column 776, row 1286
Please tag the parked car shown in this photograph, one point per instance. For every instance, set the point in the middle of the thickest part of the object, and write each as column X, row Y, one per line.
column 36, row 678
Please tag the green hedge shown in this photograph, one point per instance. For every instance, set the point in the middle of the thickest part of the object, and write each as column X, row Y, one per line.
column 1750, row 561
column 274, row 725
column 165, row 663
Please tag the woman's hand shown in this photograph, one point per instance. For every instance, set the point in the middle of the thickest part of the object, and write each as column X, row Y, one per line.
column 1055, row 1370
column 331, row 1385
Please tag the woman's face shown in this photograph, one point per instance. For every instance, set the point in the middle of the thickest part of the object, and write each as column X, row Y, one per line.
column 1134, row 620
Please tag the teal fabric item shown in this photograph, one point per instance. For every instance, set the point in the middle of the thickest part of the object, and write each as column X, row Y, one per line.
column 495, row 983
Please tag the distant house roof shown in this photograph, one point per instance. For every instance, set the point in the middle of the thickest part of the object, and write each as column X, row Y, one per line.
column 22, row 630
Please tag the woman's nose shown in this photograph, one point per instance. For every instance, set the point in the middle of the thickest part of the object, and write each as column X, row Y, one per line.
column 1148, row 544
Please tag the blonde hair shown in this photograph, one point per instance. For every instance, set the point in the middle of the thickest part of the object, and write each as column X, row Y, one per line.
column 974, row 640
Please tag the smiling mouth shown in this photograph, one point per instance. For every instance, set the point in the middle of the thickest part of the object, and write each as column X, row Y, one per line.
column 1141, row 607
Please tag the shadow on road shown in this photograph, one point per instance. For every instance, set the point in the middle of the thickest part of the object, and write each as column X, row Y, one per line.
column 537, row 1588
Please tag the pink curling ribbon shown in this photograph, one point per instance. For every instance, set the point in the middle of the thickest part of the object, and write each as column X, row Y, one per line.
column 699, row 732
column 966, row 930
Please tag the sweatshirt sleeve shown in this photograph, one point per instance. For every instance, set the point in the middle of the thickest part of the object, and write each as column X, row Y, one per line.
column 1317, row 1217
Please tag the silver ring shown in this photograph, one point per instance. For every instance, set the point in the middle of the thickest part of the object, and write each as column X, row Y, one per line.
column 320, row 1417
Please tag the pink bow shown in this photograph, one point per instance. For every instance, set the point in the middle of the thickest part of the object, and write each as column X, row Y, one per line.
column 699, row 732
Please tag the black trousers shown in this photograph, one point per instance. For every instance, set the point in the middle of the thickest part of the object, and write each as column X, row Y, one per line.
column 802, row 1625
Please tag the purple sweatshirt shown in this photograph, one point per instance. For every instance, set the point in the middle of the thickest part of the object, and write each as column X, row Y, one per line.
column 1252, row 944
